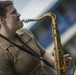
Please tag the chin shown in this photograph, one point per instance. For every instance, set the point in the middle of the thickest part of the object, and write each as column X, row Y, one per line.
column 20, row 24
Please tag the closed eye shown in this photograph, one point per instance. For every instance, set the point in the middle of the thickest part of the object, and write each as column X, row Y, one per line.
column 14, row 12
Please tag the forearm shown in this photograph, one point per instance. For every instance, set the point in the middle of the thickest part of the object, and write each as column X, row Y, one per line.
column 49, row 58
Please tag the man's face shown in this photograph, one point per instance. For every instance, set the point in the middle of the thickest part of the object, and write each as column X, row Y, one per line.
column 12, row 20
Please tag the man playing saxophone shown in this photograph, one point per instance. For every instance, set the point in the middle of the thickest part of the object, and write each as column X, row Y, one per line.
column 14, row 38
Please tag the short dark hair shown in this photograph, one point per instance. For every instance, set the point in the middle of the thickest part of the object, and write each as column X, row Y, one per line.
column 3, row 6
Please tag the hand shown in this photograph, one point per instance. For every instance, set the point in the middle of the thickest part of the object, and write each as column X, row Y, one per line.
column 68, row 59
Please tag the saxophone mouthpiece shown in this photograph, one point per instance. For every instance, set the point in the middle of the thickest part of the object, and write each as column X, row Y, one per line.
column 28, row 20
column 25, row 20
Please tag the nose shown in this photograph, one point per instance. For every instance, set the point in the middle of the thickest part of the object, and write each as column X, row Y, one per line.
column 18, row 14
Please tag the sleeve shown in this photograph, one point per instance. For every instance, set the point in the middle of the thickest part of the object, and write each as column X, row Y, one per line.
column 42, row 50
column 5, row 66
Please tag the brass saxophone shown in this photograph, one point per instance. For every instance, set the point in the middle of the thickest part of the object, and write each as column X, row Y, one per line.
column 60, row 64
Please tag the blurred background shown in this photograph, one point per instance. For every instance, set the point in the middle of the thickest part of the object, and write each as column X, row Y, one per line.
column 65, row 10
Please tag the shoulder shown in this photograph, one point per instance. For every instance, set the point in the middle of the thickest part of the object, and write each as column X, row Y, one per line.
column 24, row 31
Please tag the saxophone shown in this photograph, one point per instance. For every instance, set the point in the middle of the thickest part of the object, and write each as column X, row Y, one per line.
column 60, row 64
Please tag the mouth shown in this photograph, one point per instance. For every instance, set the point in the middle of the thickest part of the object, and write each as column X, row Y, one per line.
column 18, row 19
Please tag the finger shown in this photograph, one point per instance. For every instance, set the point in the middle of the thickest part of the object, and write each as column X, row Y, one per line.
column 69, row 59
column 66, row 55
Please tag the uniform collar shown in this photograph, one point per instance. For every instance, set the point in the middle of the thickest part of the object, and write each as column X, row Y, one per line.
column 5, row 44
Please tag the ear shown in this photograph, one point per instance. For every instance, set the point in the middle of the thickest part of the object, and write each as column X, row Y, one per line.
column 2, row 20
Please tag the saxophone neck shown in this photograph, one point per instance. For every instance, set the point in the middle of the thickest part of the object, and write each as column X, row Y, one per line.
column 51, row 15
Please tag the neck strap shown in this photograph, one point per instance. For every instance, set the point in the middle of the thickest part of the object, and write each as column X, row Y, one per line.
column 28, row 49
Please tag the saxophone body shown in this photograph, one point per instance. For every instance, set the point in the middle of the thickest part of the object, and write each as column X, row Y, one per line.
column 58, row 51
column 60, row 64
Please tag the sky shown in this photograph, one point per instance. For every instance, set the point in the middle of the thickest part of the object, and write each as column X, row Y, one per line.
column 32, row 8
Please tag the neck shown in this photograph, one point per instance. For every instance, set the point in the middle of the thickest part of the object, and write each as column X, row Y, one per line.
column 8, row 34
column 11, row 36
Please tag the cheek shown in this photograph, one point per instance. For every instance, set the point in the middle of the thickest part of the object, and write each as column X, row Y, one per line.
column 9, row 21
column 12, row 22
